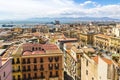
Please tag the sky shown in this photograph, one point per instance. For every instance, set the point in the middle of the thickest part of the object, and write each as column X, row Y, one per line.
column 25, row 9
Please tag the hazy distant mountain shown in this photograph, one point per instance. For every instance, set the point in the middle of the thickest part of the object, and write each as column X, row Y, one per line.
column 70, row 19
column 62, row 20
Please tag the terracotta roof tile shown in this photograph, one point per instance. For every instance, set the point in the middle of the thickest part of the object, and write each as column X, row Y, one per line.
column 28, row 53
column 108, row 61
column 95, row 59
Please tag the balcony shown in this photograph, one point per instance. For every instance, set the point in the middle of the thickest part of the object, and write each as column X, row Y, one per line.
column 23, row 62
column 35, row 69
column 24, row 70
column 56, row 59
column 18, row 62
column 50, row 59
column 41, row 60
column 16, row 70
column 41, row 69
column 13, row 62
column 28, row 69
column 118, row 71
column 50, row 68
column 54, row 78
column 42, row 77
column 56, row 66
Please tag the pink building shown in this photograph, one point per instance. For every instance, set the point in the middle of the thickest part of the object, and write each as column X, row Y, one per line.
column 5, row 69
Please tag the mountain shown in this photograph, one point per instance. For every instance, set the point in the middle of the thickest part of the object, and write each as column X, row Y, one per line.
column 71, row 19
column 62, row 20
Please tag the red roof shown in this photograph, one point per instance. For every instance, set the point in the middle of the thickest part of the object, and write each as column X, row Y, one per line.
column 28, row 53
column 108, row 61
column 49, row 47
column 95, row 59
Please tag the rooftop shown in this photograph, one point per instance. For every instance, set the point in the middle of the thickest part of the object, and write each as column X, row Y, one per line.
column 26, row 53
column 108, row 61
column 67, row 39
column 2, row 51
column 103, row 36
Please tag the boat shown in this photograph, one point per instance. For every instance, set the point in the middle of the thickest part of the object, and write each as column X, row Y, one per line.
column 7, row 25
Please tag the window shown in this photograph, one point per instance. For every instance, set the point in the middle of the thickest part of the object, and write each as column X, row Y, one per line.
column 36, row 49
column 28, row 67
column 86, row 72
column 35, row 60
column 50, row 66
column 39, row 48
column 77, row 56
column 24, row 61
column 4, row 74
column 29, row 75
column 33, row 49
column 118, row 51
column 35, row 75
column 18, row 77
column 56, row 73
column 24, row 68
column 13, row 61
column 13, row 78
column 24, row 76
column 50, row 59
column 35, row 67
column 42, row 76
column 18, row 61
column 18, row 68
column 41, row 60
column 50, row 74
column 41, row 67
column 56, row 59
column 28, row 60
column 56, row 66
column 86, row 62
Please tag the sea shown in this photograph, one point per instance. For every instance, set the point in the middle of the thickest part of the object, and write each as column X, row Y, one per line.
column 29, row 23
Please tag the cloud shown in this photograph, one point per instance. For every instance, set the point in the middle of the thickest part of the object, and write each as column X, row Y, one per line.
column 22, row 9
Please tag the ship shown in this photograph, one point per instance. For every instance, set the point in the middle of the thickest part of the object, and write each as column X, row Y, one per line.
column 7, row 25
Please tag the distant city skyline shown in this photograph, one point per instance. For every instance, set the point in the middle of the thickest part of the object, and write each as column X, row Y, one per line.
column 24, row 9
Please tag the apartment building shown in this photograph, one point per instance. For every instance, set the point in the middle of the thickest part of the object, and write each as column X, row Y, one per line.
column 72, row 63
column 94, row 67
column 87, row 38
column 115, row 45
column 39, row 62
column 102, row 41
column 5, row 67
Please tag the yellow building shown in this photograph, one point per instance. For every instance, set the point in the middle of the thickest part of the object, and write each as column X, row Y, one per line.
column 17, row 29
column 102, row 41
column 115, row 48
column 115, row 45
column 87, row 38
column 16, row 63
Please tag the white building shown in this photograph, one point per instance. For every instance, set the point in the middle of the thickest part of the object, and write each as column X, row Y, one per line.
column 116, row 30
column 96, row 68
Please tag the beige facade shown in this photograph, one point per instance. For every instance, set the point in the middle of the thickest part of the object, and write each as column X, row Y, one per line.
column 97, row 68
column 102, row 41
